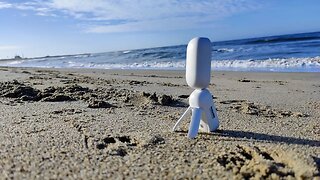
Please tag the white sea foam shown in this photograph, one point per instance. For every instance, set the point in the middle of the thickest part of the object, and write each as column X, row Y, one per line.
column 15, row 62
column 225, row 50
column 313, row 63
column 126, row 52
column 289, row 64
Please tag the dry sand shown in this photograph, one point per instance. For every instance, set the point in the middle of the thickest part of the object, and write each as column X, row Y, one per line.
column 116, row 124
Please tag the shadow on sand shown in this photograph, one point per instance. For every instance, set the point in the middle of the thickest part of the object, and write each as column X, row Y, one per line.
column 248, row 136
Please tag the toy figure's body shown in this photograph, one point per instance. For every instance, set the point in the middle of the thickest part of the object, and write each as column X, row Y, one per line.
column 198, row 69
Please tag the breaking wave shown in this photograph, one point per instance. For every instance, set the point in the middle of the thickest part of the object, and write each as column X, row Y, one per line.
column 288, row 64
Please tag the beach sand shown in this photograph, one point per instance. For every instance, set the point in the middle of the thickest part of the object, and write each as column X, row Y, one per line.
column 116, row 124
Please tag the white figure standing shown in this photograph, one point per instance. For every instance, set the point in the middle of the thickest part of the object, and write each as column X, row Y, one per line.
column 198, row 70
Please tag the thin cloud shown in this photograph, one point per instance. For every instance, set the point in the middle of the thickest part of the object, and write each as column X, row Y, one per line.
column 165, row 24
column 4, row 5
column 106, row 16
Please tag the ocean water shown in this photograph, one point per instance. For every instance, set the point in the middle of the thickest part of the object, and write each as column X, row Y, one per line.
column 288, row 53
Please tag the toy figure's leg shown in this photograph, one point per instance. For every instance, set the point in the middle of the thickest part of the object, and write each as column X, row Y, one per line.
column 179, row 121
column 212, row 118
column 204, row 127
column 195, row 122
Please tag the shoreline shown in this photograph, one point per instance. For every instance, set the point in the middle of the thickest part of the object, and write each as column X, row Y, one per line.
column 98, row 123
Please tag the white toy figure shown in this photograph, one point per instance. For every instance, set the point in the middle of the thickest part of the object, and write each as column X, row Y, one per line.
column 198, row 69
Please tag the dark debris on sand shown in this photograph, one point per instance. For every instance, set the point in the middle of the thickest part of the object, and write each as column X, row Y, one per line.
column 66, row 93
column 164, row 100
column 99, row 104
column 15, row 89
column 21, row 91
column 96, row 98
column 58, row 98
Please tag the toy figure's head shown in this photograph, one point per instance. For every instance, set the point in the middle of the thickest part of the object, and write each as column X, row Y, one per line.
column 198, row 65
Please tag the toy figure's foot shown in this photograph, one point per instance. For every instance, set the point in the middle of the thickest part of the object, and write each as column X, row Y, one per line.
column 215, row 125
column 204, row 126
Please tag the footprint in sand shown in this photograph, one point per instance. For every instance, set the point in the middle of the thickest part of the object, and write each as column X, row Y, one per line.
column 116, row 146
column 121, row 145
column 252, row 162
column 246, row 107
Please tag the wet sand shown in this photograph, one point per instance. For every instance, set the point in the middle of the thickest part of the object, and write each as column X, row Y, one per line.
column 98, row 124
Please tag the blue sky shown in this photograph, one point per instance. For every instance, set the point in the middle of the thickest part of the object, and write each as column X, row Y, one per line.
column 38, row 28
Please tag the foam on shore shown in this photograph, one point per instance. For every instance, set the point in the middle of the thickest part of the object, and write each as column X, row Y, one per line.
column 310, row 64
